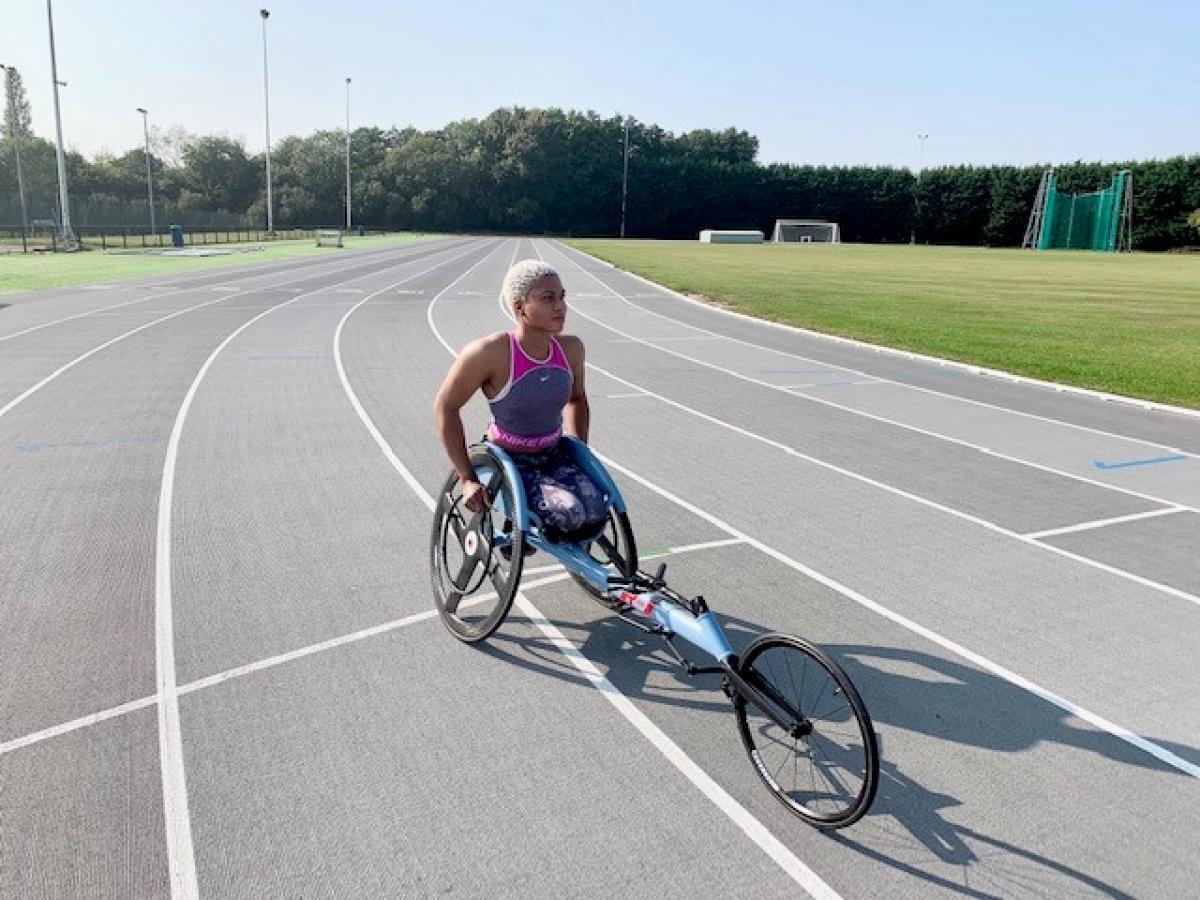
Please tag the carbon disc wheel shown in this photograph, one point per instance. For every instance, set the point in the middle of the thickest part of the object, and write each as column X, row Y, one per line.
column 475, row 559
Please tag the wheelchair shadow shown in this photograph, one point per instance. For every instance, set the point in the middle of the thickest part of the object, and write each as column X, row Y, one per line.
column 985, row 866
column 905, row 691
column 637, row 664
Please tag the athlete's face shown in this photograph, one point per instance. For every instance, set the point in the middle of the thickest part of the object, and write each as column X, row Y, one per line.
column 545, row 306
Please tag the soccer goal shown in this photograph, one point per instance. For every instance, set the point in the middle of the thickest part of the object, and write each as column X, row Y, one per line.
column 806, row 231
column 329, row 237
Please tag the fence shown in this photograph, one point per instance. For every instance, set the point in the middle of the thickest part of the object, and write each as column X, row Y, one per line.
column 40, row 239
column 43, row 237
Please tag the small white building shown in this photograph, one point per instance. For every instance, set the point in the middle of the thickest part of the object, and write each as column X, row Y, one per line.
column 710, row 236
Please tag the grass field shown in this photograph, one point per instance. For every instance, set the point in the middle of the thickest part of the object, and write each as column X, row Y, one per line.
column 37, row 271
column 1124, row 323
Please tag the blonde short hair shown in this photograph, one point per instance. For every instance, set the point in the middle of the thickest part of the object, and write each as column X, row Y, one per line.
column 522, row 276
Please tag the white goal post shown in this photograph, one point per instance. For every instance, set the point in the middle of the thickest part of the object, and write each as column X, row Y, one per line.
column 806, row 231
column 329, row 237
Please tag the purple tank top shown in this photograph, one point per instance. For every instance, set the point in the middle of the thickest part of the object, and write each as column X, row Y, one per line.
column 527, row 413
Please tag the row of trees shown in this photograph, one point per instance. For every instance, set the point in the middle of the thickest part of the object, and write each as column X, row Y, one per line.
column 557, row 172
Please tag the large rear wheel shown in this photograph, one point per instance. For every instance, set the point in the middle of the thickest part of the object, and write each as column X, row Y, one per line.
column 475, row 559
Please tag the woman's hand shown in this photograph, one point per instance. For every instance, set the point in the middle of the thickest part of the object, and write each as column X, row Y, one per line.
column 474, row 495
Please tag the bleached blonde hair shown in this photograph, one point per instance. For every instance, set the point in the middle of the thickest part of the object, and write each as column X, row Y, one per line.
column 521, row 277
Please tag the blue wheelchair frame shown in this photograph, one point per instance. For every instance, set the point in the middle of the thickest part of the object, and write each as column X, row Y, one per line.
column 696, row 625
column 645, row 602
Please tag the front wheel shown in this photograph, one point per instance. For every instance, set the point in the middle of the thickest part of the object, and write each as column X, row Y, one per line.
column 824, row 766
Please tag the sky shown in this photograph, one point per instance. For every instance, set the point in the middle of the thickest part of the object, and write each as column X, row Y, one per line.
column 838, row 83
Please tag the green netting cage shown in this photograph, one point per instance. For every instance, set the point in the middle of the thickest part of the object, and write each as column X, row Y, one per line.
column 1098, row 220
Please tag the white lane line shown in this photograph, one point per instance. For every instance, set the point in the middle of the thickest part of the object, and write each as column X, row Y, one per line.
column 627, row 396
column 341, row 641
column 800, row 873
column 683, row 339
column 357, row 404
column 1100, row 523
column 1112, row 728
column 61, row 369
column 77, row 360
column 178, row 287
column 1108, row 486
column 75, row 724
column 210, row 681
column 932, row 504
column 755, row 830
column 1158, row 752
column 907, row 354
column 181, row 860
column 916, row 498
column 657, row 554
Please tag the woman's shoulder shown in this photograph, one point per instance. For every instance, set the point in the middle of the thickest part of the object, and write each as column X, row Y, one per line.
column 569, row 340
column 572, row 345
column 489, row 345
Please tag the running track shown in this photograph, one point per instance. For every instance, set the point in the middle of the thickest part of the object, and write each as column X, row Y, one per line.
column 220, row 674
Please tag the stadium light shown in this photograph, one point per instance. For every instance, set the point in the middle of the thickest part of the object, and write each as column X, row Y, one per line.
column 347, row 154
column 149, row 179
column 64, row 199
column 921, row 138
column 625, row 177
column 265, row 14
column 17, row 156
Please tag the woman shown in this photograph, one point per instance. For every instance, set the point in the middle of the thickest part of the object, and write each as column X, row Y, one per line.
column 533, row 380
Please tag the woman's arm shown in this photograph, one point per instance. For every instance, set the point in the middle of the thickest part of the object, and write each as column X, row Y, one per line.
column 577, row 415
column 468, row 374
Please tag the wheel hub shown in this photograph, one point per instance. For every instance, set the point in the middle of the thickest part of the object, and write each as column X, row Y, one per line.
column 802, row 729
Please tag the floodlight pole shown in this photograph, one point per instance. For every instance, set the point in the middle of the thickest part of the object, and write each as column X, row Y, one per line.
column 347, row 154
column 17, row 154
column 921, row 138
column 64, row 199
column 625, row 177
column 149, row 177
column 265, row 14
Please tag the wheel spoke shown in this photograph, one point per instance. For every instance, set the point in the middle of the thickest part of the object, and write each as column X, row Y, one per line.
column 457, row 525
column 463, row 576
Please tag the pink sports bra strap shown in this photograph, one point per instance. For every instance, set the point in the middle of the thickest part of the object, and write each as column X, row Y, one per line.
column 522, row 362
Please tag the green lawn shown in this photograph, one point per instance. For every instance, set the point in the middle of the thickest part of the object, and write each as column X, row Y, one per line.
column 37, row 271
column 1125, row 323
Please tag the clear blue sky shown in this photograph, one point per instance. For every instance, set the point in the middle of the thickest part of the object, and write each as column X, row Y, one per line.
column 835, row 82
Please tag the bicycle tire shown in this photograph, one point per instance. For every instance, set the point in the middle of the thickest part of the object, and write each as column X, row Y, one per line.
column 838, row 785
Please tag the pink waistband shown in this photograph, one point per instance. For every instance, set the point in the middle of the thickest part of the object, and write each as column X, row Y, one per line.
column 526, row 442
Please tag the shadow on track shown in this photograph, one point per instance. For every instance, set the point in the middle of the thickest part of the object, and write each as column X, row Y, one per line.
column 906, row 690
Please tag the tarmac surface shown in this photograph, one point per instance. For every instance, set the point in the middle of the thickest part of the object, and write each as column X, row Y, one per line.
column 221, row 674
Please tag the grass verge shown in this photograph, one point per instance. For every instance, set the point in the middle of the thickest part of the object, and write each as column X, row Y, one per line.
column 38, row 271
column 1123, row 323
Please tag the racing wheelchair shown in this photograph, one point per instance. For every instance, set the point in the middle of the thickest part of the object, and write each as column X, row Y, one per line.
column 800, row 719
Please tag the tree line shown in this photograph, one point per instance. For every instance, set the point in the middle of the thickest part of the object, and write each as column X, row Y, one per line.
column 549, row 171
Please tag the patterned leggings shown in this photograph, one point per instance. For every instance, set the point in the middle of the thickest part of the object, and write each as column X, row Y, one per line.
column 567, row 501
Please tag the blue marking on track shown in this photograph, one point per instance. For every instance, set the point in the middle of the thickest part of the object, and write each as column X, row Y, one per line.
column 35, row 449
column 1173, row 457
